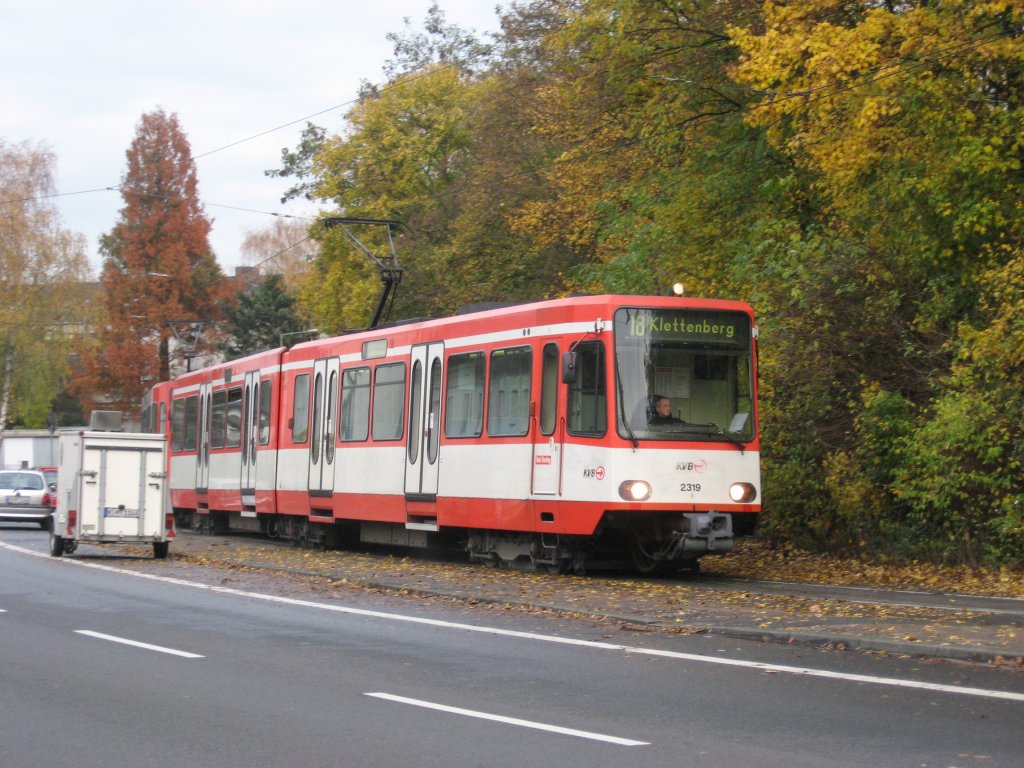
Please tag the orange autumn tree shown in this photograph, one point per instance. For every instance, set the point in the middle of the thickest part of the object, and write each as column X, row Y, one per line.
column 157, row 267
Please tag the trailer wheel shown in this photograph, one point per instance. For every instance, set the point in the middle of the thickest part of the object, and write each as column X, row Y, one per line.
column 160, row 549
column 56, row 545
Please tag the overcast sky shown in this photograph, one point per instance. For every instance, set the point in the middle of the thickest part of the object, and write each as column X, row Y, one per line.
column 77, row 76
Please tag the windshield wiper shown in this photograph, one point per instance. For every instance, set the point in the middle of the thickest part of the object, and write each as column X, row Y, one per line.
column 710, row 430
column 734, row 437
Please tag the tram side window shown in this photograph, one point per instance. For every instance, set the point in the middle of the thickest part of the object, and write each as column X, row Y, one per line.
column 234, row 418
column 218, row 418
column 191, row 422
column 508, row 392
column 162, row 427
column 300, row 409
column 588, row 407
column 549, row 389
column 434, row 442
column 388, row 401
column 464, row 403
column 354, row 424
column 265, row 400
column 178, row 424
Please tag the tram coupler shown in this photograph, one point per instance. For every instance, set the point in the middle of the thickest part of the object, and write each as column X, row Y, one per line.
column 703, row 533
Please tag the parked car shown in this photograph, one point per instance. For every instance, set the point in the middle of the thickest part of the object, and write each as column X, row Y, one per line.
column 27, row 497
column 50, row 472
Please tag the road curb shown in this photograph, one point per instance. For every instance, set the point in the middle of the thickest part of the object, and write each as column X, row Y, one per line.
column 817, row 639
column 870, row 645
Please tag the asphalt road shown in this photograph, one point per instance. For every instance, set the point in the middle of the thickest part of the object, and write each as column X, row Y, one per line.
column 106, row 666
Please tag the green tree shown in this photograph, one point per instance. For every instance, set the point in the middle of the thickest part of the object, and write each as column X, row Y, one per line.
column 904, row 124
column 961, row 472
column 437, row 44
column 261, row 319
column 44, row 299
column 405, row 149
column 494, row 257
column 298, row 163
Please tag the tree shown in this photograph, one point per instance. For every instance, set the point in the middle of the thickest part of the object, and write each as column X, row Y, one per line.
column 904, row 122
column 157, row 266
column 494, row 257
column 285, row 248
column 406, row 148
column 261, row 319
column 299, row 163
column 44, row 299
column 655, row 178
column 439, row 44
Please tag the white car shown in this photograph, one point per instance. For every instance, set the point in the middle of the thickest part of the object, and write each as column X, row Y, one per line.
column 26, row 497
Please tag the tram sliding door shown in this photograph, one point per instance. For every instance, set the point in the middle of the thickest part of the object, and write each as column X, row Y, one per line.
column 325, row 421
column 424, row 439
column 203, row 441
column 250, row 435
column 549, row 428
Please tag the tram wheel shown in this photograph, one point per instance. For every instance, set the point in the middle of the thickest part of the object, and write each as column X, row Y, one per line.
column 562, row 567
column 690, row 566
column 642, row 561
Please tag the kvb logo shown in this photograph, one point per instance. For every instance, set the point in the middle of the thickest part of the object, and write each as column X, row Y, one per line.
column 691, row 466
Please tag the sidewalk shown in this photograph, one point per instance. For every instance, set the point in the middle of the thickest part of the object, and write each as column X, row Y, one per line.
column 678, row 605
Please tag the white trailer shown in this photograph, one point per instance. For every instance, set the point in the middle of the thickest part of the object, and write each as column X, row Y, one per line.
column 112, row 488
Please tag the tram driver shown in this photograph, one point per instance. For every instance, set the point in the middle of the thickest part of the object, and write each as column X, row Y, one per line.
column 661, row 411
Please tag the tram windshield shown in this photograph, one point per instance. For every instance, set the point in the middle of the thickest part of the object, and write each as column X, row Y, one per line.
column 684, row 374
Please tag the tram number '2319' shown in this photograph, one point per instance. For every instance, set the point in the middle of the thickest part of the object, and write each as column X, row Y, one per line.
column 689, row 487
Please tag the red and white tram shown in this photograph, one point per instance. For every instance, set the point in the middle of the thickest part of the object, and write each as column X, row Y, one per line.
column 519, row 432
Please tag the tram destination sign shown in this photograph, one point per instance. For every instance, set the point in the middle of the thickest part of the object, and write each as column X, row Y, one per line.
column 693, row 326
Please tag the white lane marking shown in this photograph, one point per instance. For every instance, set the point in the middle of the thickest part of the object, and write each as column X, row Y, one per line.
column 775, row 668
column 137, row 644
column 511, row 720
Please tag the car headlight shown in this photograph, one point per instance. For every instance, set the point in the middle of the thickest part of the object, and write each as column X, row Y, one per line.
column 742, row 493
column 635, row 490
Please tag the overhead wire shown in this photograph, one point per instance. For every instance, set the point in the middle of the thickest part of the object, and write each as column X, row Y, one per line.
column 116, row 187
column 405, row 80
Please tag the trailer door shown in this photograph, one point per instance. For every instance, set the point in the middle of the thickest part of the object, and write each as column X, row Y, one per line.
column 325, row 421
column 424, row 434
column 122, row 492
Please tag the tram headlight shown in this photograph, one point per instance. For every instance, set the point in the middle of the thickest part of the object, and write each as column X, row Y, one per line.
column 635, row 490
column 742, row 493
